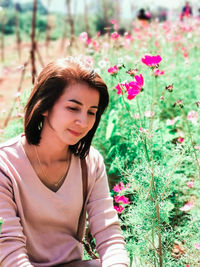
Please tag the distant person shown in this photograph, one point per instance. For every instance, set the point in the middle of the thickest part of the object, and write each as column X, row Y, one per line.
column 142, row 15
column 186, row 11
column 198, row 16
column 163, row 16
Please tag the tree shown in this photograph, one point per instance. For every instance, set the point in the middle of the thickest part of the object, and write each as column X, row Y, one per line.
column 104, row 12
column 7, row 4
column 24, row 7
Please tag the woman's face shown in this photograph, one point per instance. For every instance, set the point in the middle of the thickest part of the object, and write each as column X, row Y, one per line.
column 73, row 115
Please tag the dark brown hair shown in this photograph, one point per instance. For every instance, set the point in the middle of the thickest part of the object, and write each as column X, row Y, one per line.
column 50, row 85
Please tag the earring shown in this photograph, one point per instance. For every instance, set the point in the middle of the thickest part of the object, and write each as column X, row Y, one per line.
column 40, row 126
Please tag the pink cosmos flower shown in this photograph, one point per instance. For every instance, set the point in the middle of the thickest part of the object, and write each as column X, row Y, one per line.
column 115, row 35
column 185, row 54
column 113, row 21
column 137, row 116
column 115, row 24
column 83, row 36
column 98, row 34
column 135, row 86
column 121, row 199
column 188, row 206
column 133, row 91
column 113, row 70
column 193, row 117
column 88, row 41
column 119, row 90
column 142, row 130
column 119, row 187
column 158, row 72
column 180, row 139
column 197, row 147
column 190, row 184
column 140, row 80
column 132, row 88
column 96, row 45
column 119, row 209
column 171, row 122
column 122, row 86
column 128, row 36
column 149, row 114
column 197, row 245
column 151, row 61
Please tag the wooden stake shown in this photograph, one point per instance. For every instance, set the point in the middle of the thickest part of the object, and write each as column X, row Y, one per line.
column 33, row 42
column 105, row 12
column 18, row 38
column 18, row 91
column 48, row 28
column 86, row 17
column 2, row 34
column 71, row 21
column 39, row 56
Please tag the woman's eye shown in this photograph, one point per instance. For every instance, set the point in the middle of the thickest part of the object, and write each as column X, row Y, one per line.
column 72, row 108
column 91, row 113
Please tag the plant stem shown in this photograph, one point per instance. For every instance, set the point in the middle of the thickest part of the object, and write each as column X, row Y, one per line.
column 159, row 234
column 157, row 208
column 191, row 140
column 143, row 139
column 153, row 243
column 171, row 174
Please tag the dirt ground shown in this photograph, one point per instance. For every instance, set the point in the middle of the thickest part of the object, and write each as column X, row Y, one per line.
column 11, row 70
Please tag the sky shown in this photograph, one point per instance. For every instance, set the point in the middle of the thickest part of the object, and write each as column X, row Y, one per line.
column 60, row 6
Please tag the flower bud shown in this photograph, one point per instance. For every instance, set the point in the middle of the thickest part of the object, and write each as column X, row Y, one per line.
column 169, row 88
column 178, row 103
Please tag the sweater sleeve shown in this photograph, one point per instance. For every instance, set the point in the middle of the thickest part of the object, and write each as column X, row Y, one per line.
column 12, row 240
column 103, row 220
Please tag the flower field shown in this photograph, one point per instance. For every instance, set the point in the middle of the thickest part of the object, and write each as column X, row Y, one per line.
column 149, row 135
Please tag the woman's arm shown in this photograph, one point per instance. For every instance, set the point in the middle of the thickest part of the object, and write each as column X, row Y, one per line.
column 12, row 240
column 80, row 263
column 103, row 220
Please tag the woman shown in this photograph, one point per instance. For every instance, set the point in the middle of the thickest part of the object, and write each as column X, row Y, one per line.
column 41, row 194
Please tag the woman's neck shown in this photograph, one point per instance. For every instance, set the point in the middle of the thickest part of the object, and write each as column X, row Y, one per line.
column 50, row 150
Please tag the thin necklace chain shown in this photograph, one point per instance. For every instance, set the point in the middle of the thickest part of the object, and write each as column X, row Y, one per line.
column 60, row 180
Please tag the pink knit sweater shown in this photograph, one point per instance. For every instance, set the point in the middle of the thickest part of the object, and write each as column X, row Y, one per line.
column 40, row 225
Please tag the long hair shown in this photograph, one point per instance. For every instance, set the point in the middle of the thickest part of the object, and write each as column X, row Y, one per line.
column 50, row 85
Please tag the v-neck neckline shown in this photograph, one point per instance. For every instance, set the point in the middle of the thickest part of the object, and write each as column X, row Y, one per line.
column 38, row 180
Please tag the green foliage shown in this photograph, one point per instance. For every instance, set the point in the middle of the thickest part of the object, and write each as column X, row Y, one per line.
column 153, row 162
column 14, row 128
column 155, row 156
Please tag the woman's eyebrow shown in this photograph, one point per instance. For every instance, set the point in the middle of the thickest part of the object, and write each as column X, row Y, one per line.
column 79, row 103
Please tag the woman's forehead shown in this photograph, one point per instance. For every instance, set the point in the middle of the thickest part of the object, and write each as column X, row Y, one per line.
column 81, row 92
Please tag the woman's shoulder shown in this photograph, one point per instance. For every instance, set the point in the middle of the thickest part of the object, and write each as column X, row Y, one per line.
column 94, row 157
column 10, row 142
column 94, row 153
column 10, row 148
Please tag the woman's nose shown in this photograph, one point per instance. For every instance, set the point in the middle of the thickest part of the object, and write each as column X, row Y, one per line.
column 82, row 120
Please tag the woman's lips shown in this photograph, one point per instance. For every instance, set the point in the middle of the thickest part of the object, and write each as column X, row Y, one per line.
column 74, row 132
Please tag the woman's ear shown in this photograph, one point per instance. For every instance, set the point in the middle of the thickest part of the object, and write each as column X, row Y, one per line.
column 45, row 114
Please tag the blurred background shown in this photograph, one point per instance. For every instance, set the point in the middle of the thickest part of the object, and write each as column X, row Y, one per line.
column 86, row 15
column 32, row 33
